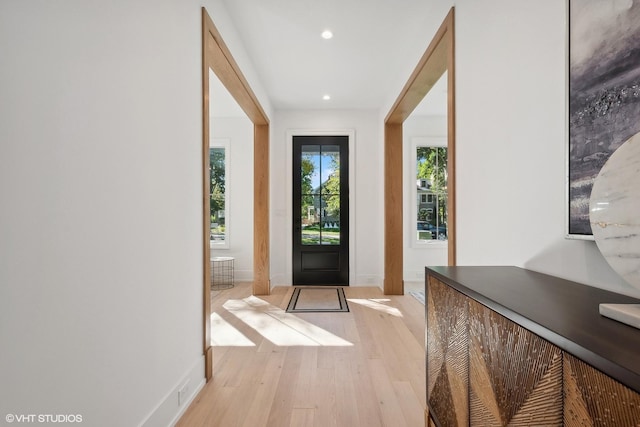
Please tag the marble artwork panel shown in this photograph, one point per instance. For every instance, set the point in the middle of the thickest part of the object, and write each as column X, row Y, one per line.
column 615, row 211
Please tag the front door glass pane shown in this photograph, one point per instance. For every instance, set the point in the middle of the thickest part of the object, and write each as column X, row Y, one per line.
column 320, row 186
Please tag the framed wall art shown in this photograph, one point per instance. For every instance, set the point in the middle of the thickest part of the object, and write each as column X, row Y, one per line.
column 603, row 98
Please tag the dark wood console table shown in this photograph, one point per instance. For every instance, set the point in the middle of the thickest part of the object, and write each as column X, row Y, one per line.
column 507, row 345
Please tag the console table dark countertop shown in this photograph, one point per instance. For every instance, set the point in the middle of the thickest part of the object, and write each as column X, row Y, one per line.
column 563, row 312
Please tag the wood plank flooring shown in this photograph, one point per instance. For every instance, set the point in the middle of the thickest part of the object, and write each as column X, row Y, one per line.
column 271, row 368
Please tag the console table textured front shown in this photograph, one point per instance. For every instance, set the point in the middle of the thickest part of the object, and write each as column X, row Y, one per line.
column 510, row 346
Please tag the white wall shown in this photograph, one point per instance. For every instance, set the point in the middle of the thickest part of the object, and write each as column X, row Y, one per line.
column 239, row 132
column 100, row 225
column 417, row 256
column 511, row 141
column 365, row 198
column 510, row 123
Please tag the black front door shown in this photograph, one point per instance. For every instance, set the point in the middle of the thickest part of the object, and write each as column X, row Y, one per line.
column 320, row 210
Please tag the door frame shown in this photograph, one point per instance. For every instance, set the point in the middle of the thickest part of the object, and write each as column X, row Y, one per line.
column 438, row 58
column 217, row 57
column 289, row 196
column 342, row 248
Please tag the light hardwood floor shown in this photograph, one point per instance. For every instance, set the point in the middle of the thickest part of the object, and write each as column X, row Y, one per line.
column 271, row 368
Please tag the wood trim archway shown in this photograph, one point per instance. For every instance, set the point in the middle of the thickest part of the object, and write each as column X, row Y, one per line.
column 438, row 58
column 217, row 57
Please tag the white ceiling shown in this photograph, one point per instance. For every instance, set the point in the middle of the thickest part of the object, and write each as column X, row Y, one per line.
column 375, row 47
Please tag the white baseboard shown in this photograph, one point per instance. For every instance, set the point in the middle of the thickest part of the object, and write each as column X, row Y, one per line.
column 169, row 410
column 280, row 280
column 367, row 280
column 414, row 275
column 243, row 275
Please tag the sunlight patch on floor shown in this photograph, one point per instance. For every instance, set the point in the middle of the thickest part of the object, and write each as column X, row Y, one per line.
column 225, row 335
column 377, row 304
column 280, row 327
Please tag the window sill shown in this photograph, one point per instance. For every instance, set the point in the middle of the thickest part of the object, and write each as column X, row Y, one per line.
column 430, row 244
column 218, row 246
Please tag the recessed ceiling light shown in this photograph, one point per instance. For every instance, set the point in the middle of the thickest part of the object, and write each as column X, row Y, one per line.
column 327, row 34
column 326, row 97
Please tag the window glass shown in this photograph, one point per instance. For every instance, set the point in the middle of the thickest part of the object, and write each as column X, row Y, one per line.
column 431, row 180
column 218, row 167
